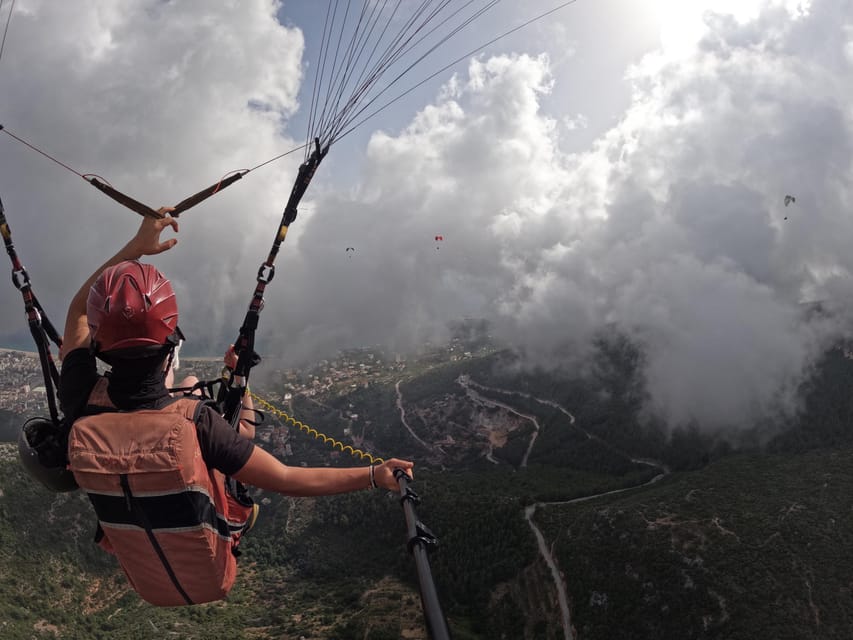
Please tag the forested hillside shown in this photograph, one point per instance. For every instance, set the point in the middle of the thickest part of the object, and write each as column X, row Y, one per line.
column 722, row 545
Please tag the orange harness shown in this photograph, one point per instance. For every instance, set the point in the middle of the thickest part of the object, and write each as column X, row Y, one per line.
column 164, row 514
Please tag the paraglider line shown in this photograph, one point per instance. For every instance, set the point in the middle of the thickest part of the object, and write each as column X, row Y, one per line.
column 6, row 28
column 286, row 153
column 345, row 120
column 458, row 60
column 324, row 56
column 332, row 73
column 86, row 176
column 392, row 53
column 315, row 88
column 358, row 42
column 222, row 179
column 396, row 50
column 327, row 41
column 36, row 149
column 386, row 59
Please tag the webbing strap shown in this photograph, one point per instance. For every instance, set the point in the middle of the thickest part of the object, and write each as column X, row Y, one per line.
column 139, row 512
column 124, row 200
column 49, row 329
column 183, row 205
column 230, row 396
column 49, row 371
column 204, row 194
column 41, row 327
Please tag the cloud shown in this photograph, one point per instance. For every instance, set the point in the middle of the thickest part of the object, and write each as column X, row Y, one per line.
column 671, row 226
column 161, row 99
column 426, row 181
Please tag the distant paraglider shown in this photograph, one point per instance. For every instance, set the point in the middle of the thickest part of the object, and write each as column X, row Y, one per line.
column 437, row 240
column 788, row 200
column 348, row 251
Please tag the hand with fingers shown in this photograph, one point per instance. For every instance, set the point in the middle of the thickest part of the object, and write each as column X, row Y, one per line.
column 230, row 358
column 147, row 241
column 383, row 474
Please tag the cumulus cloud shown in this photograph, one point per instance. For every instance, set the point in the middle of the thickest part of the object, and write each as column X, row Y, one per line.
column 161, row 99
column 671, row 226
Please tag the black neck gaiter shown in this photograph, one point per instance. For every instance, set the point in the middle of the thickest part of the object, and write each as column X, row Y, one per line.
column 137, row 387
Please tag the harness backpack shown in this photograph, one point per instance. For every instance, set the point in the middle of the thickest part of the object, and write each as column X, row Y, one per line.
column 162, row 512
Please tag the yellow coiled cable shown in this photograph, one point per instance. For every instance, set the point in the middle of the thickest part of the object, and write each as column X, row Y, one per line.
column 336, row 444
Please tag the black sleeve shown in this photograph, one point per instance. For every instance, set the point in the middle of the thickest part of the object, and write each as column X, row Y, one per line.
column 77, row 378
column 221, row 446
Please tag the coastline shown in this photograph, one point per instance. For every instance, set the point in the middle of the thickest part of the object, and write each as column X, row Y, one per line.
column 35, row 354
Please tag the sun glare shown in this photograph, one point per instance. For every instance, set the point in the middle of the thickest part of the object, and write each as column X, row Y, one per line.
column 681, row 24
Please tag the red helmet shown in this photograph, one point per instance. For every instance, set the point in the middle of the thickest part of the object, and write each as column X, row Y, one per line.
column 131, row 305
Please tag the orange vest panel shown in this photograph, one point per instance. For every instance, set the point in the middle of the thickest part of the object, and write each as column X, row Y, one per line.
column 163, row 513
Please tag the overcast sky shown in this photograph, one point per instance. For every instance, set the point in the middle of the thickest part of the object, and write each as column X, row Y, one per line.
column 620, row 162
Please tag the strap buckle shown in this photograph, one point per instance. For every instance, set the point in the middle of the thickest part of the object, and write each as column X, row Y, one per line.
column 266, row 273
column 17, row 274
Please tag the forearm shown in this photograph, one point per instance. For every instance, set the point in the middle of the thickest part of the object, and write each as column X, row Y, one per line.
column 265, row 472
column 248, row 416
column 146, row 242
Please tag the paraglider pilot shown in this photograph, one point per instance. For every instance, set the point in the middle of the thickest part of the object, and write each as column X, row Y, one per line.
column 133, row 447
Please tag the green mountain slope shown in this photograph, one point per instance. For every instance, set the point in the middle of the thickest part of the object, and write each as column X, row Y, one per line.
column 750, row 547
column 749, row 544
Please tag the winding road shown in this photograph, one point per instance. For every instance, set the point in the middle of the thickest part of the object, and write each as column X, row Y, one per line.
column 465, row 382
column 559, row 581
column 529, row 511
column 403, row 417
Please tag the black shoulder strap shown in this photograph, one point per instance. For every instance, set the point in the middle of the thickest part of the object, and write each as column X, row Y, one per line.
column 202, row 403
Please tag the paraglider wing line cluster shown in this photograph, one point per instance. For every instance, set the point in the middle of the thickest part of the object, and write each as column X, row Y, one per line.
column 377, row 51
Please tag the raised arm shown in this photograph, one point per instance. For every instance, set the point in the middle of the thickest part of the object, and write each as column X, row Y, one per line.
column 265, row 472
column 146, row 242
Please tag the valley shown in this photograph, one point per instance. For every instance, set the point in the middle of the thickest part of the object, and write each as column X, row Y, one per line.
column 559, row 516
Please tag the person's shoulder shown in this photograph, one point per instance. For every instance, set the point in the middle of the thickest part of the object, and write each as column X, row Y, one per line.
column 77, row 378
column 221, row 446
column 80, row 355
column 206, row 411
column 209, row 420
